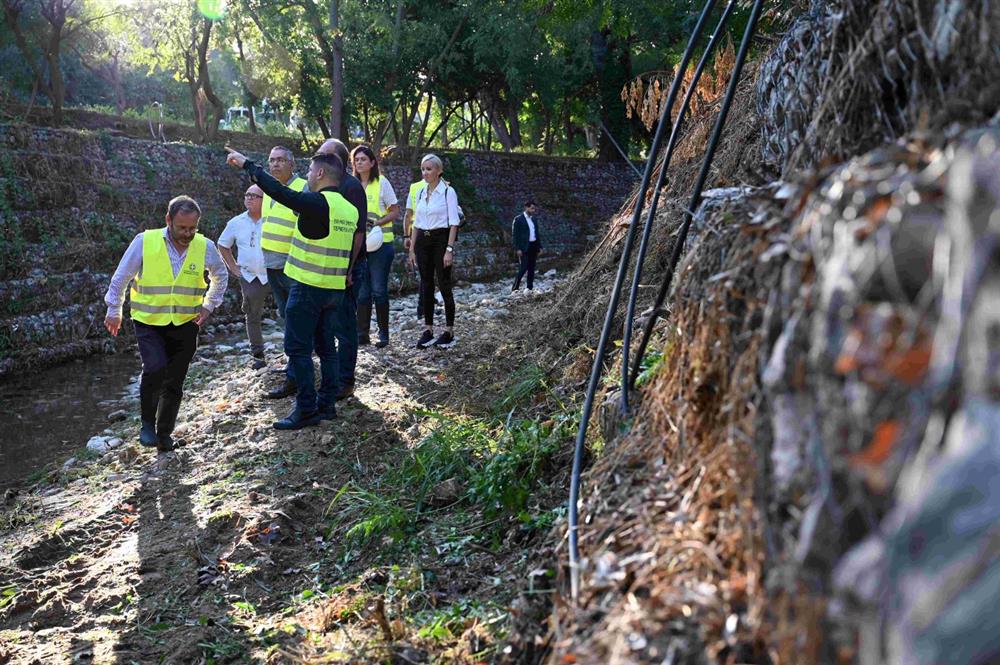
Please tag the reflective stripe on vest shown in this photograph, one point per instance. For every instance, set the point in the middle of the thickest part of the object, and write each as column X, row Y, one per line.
column 279, row 221
column 323, row 263
column 373, row 192
column 157, row 297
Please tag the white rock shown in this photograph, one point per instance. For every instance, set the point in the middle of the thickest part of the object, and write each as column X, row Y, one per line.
column 68, row 464
column 98, row 444
column 549, row 273
column 223, row 348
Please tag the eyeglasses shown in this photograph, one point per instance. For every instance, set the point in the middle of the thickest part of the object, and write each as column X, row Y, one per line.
column 253, row 196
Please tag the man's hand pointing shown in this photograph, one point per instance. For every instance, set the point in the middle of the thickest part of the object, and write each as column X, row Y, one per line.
column 235, row 159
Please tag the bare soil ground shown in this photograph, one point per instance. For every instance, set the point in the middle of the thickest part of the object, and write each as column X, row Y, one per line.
column 253, row 545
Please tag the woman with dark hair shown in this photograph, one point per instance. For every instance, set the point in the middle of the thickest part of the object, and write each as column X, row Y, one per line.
column 432, row 250
column 382, row 210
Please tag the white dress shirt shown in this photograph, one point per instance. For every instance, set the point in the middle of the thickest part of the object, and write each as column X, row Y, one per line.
column 244, row 232
column 531, row 228
column 386, row 195
column 437, row 209
column 131, row 266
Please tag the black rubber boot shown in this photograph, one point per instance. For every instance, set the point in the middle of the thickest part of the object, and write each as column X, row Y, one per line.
column 166, row 417
column 382, row 316
column 147, row 435
column 364, row 325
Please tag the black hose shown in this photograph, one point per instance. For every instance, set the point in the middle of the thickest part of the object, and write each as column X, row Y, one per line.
column 595, row 373
column 675, row 134
column 699, row 185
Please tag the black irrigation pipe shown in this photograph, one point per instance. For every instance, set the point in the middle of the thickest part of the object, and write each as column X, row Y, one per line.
column 699, row 185
column 675, row 134
column 595, row 372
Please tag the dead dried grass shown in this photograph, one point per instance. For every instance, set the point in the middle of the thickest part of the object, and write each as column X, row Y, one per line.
column 852, row 74
column 672, row 543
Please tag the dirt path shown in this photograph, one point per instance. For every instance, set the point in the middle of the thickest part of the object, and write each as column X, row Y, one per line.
column 396, row 532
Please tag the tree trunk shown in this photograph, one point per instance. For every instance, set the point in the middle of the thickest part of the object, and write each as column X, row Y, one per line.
column 490, row 107
column 337, row 79
column 411, row 118
column 321, row 121
column 613, row 66
column 248, row 95
column 426, row 120
column 514, row 122
column 442, row 127
column 218, row 108
column 57, row 86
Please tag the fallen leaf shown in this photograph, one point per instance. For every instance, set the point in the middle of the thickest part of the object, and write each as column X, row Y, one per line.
column 878, row 450
column 911, row 365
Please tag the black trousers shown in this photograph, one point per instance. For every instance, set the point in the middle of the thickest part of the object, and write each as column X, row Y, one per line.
column 528, row 260
column 430, row 248
column 166, row 353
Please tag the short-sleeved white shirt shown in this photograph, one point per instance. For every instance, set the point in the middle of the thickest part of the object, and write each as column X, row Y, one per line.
column 439, row 210
column 244, row 232
column 386, row 195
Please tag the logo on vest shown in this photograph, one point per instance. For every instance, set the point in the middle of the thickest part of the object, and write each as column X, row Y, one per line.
column 192, row 267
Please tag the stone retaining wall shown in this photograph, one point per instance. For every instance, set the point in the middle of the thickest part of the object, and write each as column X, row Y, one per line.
column 70, row 201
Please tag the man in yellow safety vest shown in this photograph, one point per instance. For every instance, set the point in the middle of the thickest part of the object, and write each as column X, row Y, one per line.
column 324, row 241
column 276, row 237
column 168, row 307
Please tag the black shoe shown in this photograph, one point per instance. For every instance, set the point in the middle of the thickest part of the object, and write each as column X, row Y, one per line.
column 345, row 392
column 296, row 420
column 147, row 435
column 327, row 413
column 364, row 339
column 258, row 363
column 287, row 389
column 445, row 340
column 382, row 343
column 425, row 340
column 165, row 443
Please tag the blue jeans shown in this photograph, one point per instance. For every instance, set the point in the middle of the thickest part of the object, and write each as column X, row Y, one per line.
column 280, row 283
column 375, row 285
column 309, row 324
column 346, row 328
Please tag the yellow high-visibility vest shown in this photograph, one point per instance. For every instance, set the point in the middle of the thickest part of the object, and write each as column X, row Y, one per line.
column 323, row 263
column 279, row 221
column 158, row 298
column 373, row 191
column 411, row 198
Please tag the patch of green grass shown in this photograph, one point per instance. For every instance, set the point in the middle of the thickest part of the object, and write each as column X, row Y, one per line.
column 494, row 467
column 649, row 366
column 526, row 382
column 450, row 622
column 8, row 595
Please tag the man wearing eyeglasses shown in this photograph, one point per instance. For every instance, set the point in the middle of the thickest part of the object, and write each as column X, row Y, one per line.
column 276, row 239
column 249, row 266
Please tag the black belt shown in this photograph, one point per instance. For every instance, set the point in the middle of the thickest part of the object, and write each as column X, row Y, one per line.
column 444, row 229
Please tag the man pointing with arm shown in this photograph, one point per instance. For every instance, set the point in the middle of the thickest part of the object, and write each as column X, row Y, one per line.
column 318, row 265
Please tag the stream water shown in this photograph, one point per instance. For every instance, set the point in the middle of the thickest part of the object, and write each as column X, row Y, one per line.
column 50, row 414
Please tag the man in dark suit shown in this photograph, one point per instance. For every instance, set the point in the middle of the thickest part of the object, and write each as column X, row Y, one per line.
column 527, row 242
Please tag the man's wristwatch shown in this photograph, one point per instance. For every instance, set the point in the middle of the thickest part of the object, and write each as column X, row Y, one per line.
column 449, row 248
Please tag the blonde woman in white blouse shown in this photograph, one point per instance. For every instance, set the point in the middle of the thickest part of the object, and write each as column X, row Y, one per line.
column 432, row 247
